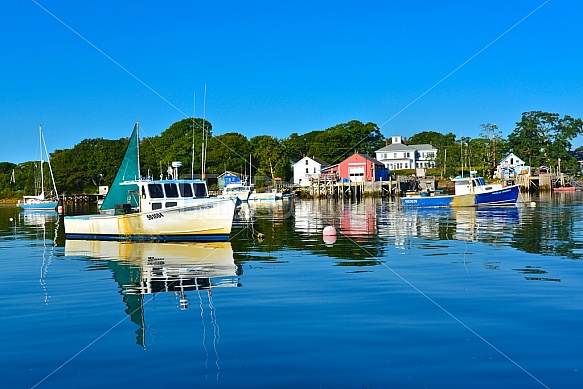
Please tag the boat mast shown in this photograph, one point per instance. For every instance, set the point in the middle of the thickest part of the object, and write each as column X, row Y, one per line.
column 193, row 116
column 42, row 176
column 50, row 167
column 138, row 148
column 204, row 137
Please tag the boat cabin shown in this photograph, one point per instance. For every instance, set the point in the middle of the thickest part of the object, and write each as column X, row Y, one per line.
column 159, row 194
column 473, row 185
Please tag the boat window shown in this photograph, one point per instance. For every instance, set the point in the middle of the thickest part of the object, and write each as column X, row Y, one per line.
column 155, row 191
column 185, row 189
column 156, row 206
column 200, row 190
column 171, row 204
column 171, row 190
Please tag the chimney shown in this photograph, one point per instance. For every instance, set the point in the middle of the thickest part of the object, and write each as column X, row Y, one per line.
column 386, row 141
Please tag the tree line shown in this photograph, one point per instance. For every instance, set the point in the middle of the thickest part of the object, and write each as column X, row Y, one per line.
column 540, row 138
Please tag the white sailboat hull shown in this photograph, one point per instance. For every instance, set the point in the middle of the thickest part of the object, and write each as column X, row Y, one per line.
column 208, row 219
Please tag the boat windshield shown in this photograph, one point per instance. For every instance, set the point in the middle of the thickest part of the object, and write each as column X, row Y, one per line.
column 200, row 190
column 185, row 190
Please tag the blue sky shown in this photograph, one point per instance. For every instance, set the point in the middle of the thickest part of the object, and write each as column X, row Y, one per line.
column 91, row 69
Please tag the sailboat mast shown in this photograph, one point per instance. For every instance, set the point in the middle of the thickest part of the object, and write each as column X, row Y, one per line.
column 42, row 176
column 43, row 144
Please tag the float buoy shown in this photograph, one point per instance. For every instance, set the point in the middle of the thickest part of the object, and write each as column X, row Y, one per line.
column 329, row 231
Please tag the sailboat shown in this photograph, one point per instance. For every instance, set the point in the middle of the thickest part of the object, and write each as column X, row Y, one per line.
column 41, row 202
column 144, row 209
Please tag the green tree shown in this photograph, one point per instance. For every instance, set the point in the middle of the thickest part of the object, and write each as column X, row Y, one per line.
column 541, row 138
column 339, row 142
column 267, row 155
column 228, row 151
column 180, row 142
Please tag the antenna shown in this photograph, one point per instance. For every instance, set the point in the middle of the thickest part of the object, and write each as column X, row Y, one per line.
column 193, row 116
column 204, row 137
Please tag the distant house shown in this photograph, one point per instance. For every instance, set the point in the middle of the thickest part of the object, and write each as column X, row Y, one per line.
column 399, row 156
column 228, row 178
column 579, row 157
column 359, row 168
column 308, row 169
column 511, row 166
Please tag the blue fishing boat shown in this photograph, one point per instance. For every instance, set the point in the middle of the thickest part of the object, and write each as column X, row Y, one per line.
column 469, row 192
column 486, row 194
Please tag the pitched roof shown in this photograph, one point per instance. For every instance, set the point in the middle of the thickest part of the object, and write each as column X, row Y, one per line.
column 423, row 146
column 395, row 147
column 371, row 159
column 315, row 159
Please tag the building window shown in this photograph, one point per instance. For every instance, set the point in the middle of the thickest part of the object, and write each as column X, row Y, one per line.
column 307, row 170
column 314, row 170
column 306, row 161
column 395, row 156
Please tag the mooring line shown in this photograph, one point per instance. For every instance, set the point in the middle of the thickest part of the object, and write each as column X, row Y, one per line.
column 444, row 310
column 104, row 334
column 463, row 64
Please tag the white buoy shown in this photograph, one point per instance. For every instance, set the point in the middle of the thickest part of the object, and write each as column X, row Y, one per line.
column 329, row 231
column 60, row 209
column 329, row 235
column 329, row 239
column 532, row 204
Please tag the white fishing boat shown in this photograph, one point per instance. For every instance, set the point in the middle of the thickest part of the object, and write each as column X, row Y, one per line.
column 237, row 190
column 269, row 195
column 42, row 201
column 144, row 209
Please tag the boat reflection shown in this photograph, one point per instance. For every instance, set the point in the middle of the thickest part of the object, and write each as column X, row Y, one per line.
column 144, row 268
column 488, row 224
column 45, row 230
column 485, row 224
column 39, row 219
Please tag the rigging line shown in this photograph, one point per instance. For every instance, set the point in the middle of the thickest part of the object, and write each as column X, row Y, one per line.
column 108, row 57
column 124, row 69
column 200, row 303
column 463, row 64
column 90, row 344
column 455, row 318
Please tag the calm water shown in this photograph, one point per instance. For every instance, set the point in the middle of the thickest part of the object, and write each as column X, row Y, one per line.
column 402, row 298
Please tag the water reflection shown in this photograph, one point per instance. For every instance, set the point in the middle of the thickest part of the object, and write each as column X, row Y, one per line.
column 144, row 268
column 45, row 225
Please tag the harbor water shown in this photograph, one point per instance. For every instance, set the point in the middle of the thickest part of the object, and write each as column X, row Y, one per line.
column 402, row 298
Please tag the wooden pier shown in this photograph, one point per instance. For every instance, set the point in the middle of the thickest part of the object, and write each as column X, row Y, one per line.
column 337, row 189
column 81, row 198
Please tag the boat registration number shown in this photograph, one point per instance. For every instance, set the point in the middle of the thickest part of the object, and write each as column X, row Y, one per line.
column 154, row 216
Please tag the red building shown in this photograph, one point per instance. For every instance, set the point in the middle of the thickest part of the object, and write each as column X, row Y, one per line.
column 359, row 168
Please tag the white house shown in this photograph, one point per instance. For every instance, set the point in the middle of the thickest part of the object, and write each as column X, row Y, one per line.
column 397, row 155
column 511, row 166
column 307, row 169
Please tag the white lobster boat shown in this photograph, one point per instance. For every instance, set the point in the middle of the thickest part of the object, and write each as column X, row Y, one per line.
column 161, row 210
